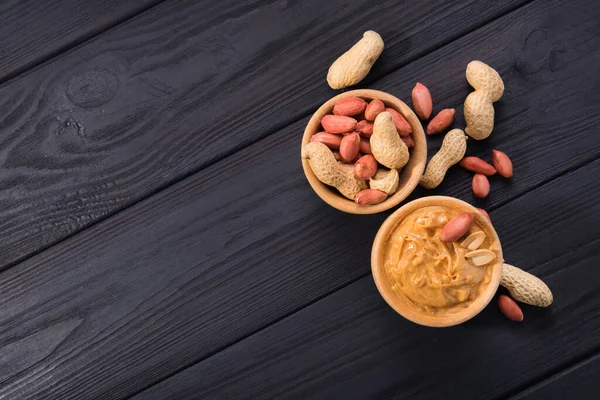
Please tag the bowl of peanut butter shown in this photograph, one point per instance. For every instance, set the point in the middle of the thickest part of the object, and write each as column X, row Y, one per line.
column 426, row 275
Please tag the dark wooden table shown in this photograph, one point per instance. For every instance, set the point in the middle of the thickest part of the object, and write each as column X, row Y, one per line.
column 159, row 239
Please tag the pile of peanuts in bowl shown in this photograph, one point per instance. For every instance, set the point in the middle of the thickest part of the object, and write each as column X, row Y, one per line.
column 364, row 151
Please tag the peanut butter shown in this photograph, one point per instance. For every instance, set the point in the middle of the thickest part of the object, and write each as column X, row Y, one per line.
column 435, row 276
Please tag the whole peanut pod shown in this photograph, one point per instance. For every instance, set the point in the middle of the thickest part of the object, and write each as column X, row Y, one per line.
column 387, row 147
column 525, row 287
column 352, row 66
column 479, row 108
column 331, row 172
column 385, row 180
column 452, row 151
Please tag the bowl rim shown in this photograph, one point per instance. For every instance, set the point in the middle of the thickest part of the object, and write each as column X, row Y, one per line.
column 410, row 175
column 399, row 305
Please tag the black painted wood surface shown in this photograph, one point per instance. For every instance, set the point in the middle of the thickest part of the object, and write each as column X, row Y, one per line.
column 176, row 89
column 33, row 31
column 579, row 381
column 351, row 344
column 218, row 273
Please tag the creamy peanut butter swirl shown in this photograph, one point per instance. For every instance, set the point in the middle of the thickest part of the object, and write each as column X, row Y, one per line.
column 433, row 275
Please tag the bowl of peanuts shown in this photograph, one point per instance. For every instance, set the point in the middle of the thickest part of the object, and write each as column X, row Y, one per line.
column 364, row 151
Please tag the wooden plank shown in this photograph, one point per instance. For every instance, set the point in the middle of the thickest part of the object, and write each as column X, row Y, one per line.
column 577, row 382
column 241, row 245
column 352, row 345
column 176, row 89
column 33, row 31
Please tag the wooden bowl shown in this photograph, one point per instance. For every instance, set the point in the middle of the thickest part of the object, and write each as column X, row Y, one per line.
column 403, row 305
column 410, row 175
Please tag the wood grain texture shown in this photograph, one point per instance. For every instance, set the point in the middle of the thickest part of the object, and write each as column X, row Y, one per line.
column 170, row 92
column 32, row 31
column 353, row 345
column 209, row 261
column 579, row 381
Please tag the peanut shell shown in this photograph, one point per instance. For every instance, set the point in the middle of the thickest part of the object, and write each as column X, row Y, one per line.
column 387, row 147
column 331, row 172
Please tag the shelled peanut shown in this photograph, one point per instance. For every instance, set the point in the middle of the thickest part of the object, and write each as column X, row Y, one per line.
column 365, row 167
column 370, row 139
column 453, row 146
column 423, row 106
column 480, row 184
column 478, row 166
column 510, row 308
column 441, row 121
column 421, row 99
column 502, row 163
